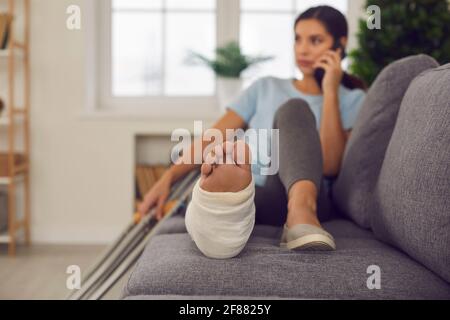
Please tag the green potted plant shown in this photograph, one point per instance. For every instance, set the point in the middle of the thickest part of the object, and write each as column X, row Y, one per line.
column 228, row 65
column 407, row 28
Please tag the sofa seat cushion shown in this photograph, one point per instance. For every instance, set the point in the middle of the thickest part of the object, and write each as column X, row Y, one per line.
column 171, row 265
column 338, row 227
column 174, row 224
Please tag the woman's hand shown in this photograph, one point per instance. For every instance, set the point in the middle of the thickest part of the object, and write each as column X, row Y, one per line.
column 331, row 62
column 157, row 196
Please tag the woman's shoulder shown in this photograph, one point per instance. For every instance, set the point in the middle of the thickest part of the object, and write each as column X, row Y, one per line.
column 274, row 85
column 269, row 81
column 267, row 85
column 351, row 94
column 275, row 80
column 351, row 98
column 355, row 91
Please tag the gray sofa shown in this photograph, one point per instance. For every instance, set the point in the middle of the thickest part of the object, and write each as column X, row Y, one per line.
column 392, row 219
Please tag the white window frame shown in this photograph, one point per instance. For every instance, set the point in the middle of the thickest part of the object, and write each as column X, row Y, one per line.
column 99, row 100
column 98, row 44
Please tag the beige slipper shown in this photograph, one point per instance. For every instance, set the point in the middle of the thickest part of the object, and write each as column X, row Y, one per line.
column 283, row 242
column 307, row 237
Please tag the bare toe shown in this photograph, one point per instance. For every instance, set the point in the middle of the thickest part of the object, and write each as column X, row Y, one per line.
column 207, row 166
column 228, row 147
column 242, row 154
column 211, row 158
column 206, row 169
column 218, row 151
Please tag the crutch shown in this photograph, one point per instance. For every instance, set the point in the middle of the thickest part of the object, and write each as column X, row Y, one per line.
column 123, row 255
column 129, row 261
column 107, row 252
column 123, row 245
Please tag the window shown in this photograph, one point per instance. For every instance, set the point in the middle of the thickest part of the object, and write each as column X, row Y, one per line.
column 143, row 45
column 150, row 40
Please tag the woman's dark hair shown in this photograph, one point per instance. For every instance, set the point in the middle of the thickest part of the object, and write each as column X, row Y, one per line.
column 336, row 25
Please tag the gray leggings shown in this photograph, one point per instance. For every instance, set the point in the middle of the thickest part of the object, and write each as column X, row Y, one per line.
column 300, row 158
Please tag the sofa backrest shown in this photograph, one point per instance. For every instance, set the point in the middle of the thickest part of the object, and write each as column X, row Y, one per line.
column 413, row 190
column 353, row 190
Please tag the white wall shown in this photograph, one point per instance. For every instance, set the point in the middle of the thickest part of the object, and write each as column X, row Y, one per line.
column 356, row 10
column 82, row 168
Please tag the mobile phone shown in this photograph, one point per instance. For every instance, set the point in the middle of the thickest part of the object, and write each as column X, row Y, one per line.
column 319, row 73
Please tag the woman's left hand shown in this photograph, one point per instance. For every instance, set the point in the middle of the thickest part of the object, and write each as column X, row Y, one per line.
column 331, row 62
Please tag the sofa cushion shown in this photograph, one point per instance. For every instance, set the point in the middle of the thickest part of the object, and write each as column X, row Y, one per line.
column 353, row 190
column 174, row 224
column 413, row 210
column 171, row 265
column 337, row 227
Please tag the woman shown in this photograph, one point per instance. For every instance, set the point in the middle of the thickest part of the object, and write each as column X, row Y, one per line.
column 314, row 125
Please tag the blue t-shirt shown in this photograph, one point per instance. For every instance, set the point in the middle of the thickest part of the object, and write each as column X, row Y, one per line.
column 258, row 104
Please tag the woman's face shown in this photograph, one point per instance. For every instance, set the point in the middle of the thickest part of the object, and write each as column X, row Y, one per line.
column 312, row 40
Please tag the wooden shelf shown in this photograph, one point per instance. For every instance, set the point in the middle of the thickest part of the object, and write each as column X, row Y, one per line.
column 20, row 163
column 23, row 167
column 6, row 53
column 19, row 45
column 4, row 181
column 4, row 234
column 5, row 120
column 17, row 52
column 4, row 237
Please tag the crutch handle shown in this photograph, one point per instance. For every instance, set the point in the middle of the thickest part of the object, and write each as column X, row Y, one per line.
column 169, row 205
column 137, row 217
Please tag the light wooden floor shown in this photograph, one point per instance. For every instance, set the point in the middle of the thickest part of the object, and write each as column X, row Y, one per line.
column 39, row 272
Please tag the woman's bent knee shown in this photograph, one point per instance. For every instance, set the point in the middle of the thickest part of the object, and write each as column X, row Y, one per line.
column 297, row 110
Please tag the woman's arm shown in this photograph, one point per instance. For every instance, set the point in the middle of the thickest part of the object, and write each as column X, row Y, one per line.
column 230, row 120
column 332, row 135
column 158, row 194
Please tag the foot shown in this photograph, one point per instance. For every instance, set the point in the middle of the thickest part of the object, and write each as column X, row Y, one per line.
column 227, row 168
column 302, row 207
column 307, row 237
column 301, row 214
column 303, row 230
